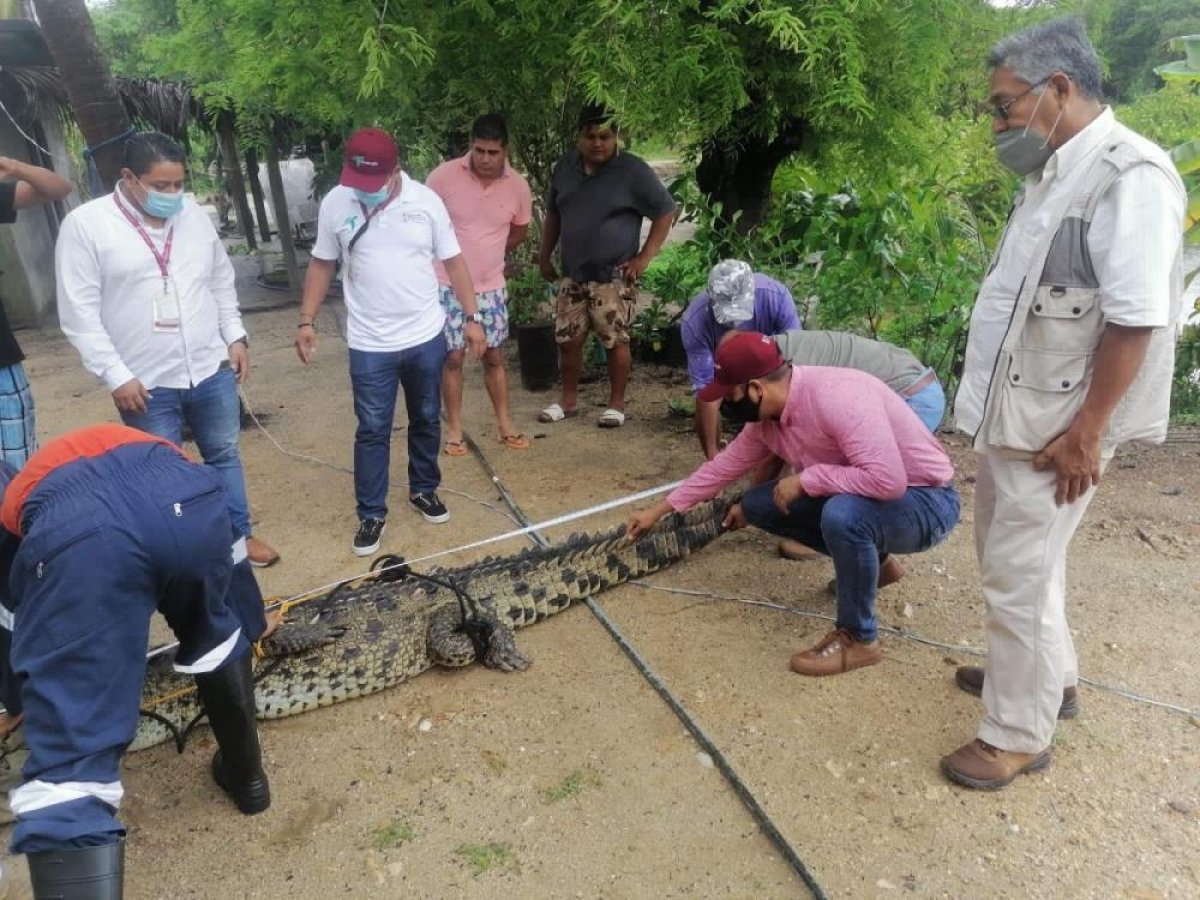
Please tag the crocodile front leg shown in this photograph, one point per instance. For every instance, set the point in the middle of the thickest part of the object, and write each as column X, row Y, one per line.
column 450, row 645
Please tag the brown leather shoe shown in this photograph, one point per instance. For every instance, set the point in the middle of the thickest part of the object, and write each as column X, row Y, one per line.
column 980, row 765
column 838, row 652
column 970, row 679
column 260, row 553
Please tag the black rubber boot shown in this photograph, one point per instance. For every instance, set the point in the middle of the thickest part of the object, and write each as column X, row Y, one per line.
column 228, row 697
column 79, row 873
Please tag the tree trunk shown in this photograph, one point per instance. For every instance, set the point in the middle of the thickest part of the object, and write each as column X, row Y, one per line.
column 282, row 222
column 736, row 171
column 233, row 177
column 260, row 206
column 90, row 87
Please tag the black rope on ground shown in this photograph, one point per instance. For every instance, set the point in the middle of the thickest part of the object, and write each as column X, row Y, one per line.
column 739, row 787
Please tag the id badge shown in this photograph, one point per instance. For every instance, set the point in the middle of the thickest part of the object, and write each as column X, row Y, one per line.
column 166, row 308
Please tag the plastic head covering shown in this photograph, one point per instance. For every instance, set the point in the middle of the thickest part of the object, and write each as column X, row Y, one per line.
column 731, row 292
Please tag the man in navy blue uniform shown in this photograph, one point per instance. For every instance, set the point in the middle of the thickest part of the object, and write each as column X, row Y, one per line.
column 103, row 527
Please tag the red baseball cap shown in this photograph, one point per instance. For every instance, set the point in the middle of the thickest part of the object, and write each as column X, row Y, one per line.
column 745, row 356
column 370, row 158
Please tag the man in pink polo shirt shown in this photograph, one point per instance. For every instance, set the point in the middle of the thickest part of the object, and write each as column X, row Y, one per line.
column 871, row 481
column 490, row 207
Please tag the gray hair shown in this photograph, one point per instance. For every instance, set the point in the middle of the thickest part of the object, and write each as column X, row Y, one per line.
column 1060, row 45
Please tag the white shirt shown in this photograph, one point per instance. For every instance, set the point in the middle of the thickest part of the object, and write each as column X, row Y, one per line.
column 109, row 282
column 1133, row 239
column 390, row 288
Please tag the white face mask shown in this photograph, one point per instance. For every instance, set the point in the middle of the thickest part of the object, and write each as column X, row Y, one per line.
column 1024, row 150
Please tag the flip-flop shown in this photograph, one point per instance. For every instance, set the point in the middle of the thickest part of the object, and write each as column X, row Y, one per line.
column 555, row 413
column 611, row 418
column 516, row 441
column 456, row 448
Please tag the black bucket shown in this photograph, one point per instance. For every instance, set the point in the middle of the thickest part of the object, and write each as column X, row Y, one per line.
column 538, row 356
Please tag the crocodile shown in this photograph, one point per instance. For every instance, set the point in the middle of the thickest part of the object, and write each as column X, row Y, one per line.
column 378, row 631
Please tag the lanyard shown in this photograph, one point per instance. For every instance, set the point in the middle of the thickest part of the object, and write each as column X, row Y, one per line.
column 164, row 258
column 369, row 215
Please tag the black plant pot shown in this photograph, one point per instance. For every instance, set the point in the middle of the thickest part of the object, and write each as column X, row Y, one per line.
column 538, row 356
column 665, row 348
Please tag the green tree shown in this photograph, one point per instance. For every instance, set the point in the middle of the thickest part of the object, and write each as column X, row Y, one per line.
column 1136, row 38
column 754, row 81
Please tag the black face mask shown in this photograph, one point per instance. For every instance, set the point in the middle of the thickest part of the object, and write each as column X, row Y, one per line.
column 745, row 410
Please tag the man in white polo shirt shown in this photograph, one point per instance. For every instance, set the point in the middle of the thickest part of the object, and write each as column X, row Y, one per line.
column 387, row 230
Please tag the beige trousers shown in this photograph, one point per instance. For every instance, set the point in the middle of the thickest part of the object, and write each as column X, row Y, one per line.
column 1021, row 539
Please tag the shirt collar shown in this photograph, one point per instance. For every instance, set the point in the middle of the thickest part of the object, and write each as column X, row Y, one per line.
column 466, row 164
column 1071, row 154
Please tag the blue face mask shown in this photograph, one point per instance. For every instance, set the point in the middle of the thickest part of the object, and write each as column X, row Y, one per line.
column 161, row 205
column 373, row 198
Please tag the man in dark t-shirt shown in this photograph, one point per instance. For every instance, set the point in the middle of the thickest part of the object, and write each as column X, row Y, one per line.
column 30, row 186
column 598, row 198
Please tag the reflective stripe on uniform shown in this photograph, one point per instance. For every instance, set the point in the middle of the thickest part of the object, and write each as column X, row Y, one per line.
column 213, row 658
column 36, row 795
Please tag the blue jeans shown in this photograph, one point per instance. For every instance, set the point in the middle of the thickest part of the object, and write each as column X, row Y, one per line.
column 211, row 410
column 375, row 379
column 857, row 533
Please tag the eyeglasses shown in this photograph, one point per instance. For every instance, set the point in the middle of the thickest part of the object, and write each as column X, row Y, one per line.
column 1000, row 110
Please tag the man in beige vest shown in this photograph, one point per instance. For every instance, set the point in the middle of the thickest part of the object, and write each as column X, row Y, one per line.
column 1070, row 354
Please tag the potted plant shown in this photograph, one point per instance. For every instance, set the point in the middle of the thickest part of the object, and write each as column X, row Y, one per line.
column 531, row 319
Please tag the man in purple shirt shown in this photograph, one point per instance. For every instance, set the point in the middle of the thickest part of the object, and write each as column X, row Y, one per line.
column 871, row 481
column 736, row 298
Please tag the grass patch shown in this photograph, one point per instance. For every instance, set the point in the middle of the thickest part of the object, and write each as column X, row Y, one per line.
column 394, row 834
column 572, row 786
column 682, row 407
column 481, row 857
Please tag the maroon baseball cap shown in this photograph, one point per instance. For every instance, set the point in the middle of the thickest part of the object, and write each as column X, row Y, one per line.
column 742, row 358
column 370, row 158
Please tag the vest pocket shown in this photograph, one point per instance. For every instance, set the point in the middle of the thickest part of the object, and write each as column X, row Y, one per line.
column 1040, row 395
column 1063, row 319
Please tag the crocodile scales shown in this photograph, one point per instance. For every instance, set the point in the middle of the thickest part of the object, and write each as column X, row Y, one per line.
column 361, row 638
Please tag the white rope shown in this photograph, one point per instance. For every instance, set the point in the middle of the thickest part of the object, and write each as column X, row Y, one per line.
column 520, row 532
column 907, row 636
column 17, row 125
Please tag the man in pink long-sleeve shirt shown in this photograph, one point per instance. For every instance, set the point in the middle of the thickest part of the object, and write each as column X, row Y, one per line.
column 871, row 480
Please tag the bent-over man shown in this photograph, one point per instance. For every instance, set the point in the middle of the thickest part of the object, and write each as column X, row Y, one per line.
column 103, row 527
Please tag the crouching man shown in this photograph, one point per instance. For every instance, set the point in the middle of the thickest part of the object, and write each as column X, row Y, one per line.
column 103, row 527
column 871, row 480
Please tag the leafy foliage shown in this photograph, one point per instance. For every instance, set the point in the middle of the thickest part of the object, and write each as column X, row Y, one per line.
column 1136, row 38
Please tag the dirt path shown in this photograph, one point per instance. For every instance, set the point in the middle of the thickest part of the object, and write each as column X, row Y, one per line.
column 575, row 780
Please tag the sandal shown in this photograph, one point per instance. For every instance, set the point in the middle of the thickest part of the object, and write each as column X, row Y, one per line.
column 456, row 448
column 611, row 418
column 516, row 441
column 555, row 413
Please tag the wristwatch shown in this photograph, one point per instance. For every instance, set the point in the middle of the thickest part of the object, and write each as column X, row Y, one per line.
column 473, row 317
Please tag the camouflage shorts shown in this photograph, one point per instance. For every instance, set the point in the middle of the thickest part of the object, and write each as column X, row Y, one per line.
column 606, row 305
